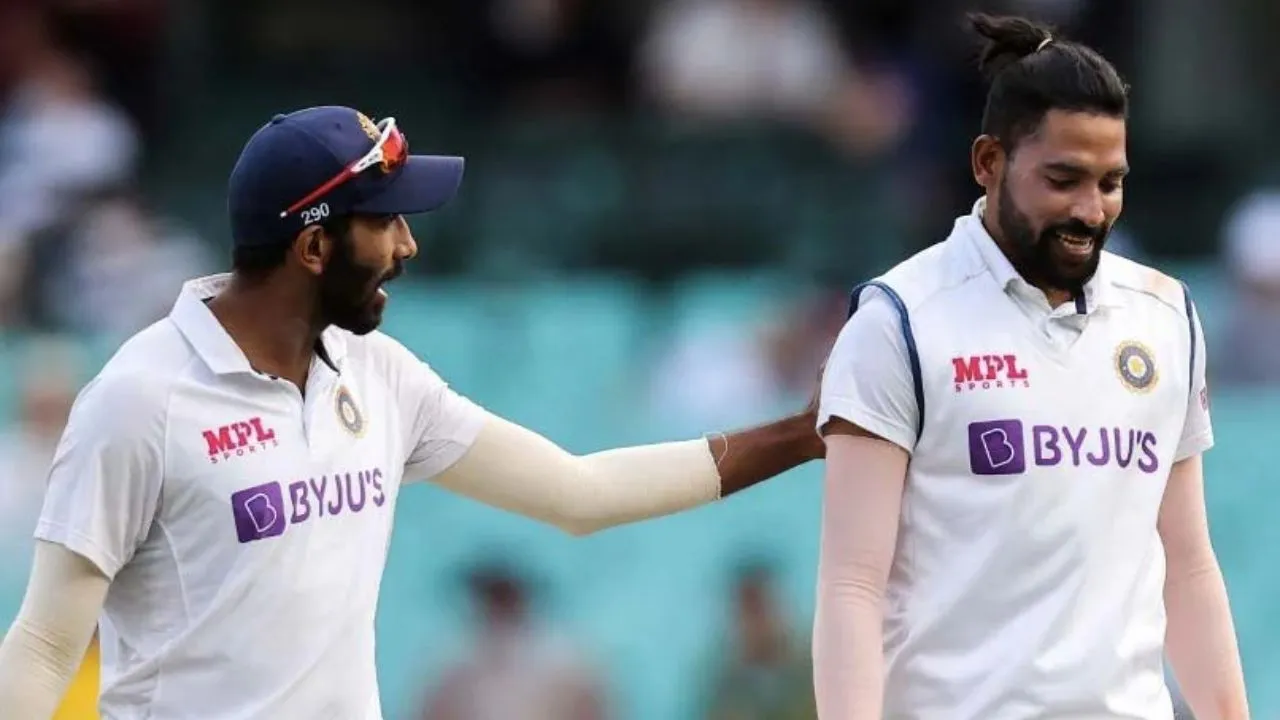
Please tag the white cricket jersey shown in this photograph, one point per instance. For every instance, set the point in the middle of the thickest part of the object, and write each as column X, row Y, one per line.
column 245, row 524
column 1028, row 576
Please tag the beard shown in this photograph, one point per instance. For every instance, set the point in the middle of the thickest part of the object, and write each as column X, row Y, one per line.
column 1042, row 257
column 349, row 291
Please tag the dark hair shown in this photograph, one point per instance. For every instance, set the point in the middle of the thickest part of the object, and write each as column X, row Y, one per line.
column 257, row 261
column 1031, row 70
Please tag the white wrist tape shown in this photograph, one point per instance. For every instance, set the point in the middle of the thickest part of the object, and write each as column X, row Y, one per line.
column 518, row 470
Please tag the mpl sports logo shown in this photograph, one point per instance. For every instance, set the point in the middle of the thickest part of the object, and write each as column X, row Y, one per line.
column 260, row 512
column 988, row 372
column 1001, row 447
column 239, row 439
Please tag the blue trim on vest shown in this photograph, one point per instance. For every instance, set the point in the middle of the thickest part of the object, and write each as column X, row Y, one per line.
column 1191, row 324
column 913, row 355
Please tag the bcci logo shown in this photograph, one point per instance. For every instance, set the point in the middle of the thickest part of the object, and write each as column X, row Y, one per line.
column 368, row 126
column 374, row 133
column 348, row 412
column 1135, row 366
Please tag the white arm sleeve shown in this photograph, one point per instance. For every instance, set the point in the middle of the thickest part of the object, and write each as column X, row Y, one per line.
column 1200, row 636
column 867, row 380
column 518, row 470
column 861, row 504
column 1197, row 430
column 43, row 649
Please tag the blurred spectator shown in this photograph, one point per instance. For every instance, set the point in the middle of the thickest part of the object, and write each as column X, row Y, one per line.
column 48, row 378
column 127, row 41
column 60, row 143
column 122, row 268
column 733, row 375
column 1252, row 332
column 777, row 60
column 517, row 670
column 547, row 56
column 766, row 673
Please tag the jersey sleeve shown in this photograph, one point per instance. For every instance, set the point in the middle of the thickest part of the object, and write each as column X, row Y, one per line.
column 440, row 424
column 108, row 470
column 1197, row 429
column 867, row 380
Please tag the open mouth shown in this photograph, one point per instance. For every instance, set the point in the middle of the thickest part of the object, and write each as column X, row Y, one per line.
column 382, row 286
column 1076, row 244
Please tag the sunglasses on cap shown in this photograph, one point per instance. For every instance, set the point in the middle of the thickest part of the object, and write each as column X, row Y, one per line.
column 389, row 151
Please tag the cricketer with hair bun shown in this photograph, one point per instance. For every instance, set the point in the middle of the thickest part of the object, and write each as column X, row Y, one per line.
column 1013, row 520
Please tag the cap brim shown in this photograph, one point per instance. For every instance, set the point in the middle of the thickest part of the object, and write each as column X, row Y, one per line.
column 426, row 183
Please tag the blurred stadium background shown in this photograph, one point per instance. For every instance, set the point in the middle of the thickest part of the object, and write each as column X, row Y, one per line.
column 664, row 202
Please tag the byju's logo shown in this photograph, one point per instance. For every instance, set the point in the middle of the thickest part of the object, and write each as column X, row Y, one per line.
column 239, row 438
column 996, row 448
column 1000, row 447
column 984, row 372
column 260, row 512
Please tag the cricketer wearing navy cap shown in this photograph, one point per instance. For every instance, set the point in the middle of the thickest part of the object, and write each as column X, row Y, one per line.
column 225, row 488
column 332, row 171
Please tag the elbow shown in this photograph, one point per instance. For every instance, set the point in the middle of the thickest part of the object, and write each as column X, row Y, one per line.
column 1190, row 569
column 1188, row 559
column 579, row 528
column 861, row 586
column 576, row 510
column 579, row 518
column 59, row 653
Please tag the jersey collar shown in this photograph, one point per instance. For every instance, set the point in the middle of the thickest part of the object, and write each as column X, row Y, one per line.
column 210, row 339
column 1098, row 292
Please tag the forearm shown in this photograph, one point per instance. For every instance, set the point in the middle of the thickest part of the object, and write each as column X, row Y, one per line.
column 43, row 649
column 516, row 469
column 748, row 457
column 848, row 661
column 1201, row 643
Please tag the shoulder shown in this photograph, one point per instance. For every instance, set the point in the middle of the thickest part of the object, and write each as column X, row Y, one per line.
column 377, row 349
column 931, row 273
column 134, row 387
column 386, row 356
column 1144, row 283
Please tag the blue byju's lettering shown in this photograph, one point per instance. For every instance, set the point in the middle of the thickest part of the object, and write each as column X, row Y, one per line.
column 1099, row 447
column 260, row 511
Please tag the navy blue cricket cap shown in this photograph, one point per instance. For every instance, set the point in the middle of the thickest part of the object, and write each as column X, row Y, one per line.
column 294, row 154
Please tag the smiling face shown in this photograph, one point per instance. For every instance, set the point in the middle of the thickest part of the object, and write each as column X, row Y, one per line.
column 372, row 253
column 1055, row 198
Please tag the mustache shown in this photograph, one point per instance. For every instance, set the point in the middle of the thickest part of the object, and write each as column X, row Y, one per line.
column 1078, row 228
column 396, row 271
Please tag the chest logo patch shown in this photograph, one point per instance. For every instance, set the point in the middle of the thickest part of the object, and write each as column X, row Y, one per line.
column 986, row 372
column 1136, row 367
column 349, row 415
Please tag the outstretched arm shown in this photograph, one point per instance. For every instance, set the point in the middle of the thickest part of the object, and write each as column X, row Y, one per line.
column 516, row 469
column 466, row 449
